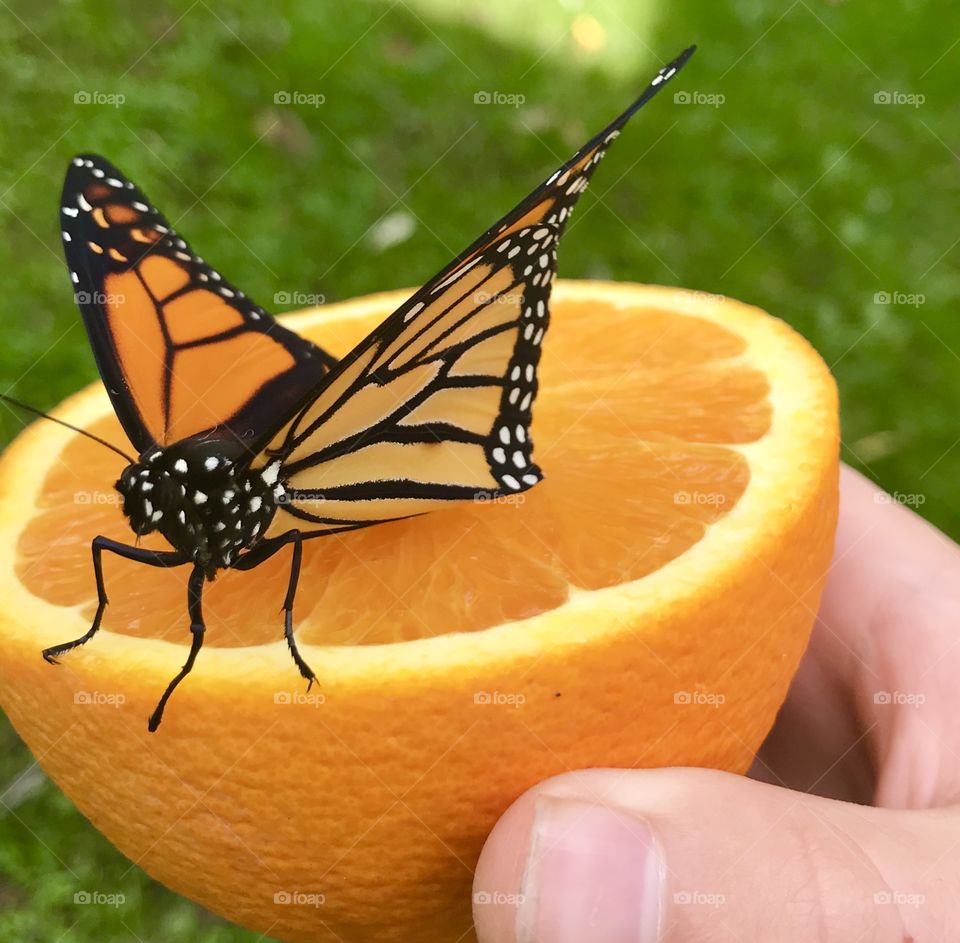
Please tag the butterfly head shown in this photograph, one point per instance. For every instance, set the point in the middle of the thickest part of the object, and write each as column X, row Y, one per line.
column 203, row 497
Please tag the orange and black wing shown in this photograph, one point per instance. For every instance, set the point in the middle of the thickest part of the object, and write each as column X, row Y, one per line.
column 181, row 350
column 436, row 404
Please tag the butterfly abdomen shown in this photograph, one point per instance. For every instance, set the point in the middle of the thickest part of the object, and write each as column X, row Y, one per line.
column 203, row 498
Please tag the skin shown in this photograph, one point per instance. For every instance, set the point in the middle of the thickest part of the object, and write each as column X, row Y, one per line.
column 848, row 830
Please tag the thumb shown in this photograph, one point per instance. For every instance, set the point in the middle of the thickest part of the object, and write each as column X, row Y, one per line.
column 678, row 855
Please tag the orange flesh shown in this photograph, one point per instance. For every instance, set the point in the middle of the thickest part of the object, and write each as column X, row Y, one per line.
column 633, row 425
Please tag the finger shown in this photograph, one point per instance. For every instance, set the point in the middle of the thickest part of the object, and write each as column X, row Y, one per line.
column 875, row 692
column 683, row 855
column 887, row 558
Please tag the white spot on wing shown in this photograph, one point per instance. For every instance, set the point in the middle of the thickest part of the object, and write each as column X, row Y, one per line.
column 414, row 311
column 271, row 473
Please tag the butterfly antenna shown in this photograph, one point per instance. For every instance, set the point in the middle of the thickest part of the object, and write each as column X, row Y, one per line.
column 39, row 412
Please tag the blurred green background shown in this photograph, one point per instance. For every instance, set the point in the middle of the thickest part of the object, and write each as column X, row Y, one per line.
column 807, row 163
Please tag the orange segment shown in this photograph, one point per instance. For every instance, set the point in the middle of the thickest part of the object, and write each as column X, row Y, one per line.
column 678, row 544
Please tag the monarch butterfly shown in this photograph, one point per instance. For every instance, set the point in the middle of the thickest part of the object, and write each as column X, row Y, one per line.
column 250, row 438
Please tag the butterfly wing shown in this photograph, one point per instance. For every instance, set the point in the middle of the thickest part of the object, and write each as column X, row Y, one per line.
column 181, row 351
column 436, row 404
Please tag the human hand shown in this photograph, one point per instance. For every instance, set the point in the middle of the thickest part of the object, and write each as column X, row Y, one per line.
column 851, row 836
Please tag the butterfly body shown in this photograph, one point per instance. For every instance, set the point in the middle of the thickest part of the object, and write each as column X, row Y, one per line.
column 203, row 497
column 252, row 439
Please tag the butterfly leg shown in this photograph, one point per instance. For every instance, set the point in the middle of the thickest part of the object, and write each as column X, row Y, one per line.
column 197, row 628
column 305, row 670
column 257, row 556
column 159, row 558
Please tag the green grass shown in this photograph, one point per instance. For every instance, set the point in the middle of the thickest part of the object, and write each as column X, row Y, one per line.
column 799, row 193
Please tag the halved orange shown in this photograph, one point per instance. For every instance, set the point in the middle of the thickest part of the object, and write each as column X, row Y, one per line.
column 645, row 606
